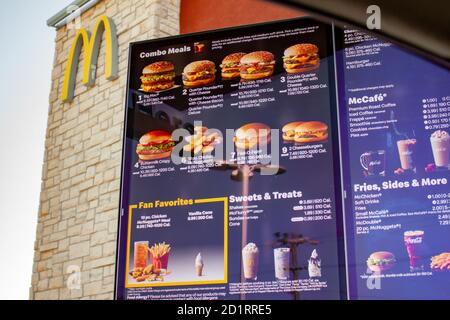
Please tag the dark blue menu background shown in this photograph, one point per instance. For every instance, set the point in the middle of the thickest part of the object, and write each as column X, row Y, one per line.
column 316, row 178
column 415, row 81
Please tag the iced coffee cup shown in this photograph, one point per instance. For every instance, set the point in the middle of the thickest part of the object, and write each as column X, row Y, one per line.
column 281, row 259
column 250, row 261
column 407, row 153
column 440, row 144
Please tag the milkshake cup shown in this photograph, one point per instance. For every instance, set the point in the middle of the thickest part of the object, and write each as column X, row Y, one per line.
column 415, row 248
column 250, row 261
column 281, row 258
column 314, row 265
column 406, row 151
column 440, row 144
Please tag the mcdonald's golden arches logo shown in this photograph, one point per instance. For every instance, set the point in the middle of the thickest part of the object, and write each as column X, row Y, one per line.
column 104, row 26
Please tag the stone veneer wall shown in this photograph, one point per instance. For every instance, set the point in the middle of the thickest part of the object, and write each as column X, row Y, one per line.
column 78, row 213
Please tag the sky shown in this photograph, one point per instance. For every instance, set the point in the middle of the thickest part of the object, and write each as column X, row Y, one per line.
column 26, row 62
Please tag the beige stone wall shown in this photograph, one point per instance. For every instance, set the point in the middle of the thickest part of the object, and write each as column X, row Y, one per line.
column 79, row 200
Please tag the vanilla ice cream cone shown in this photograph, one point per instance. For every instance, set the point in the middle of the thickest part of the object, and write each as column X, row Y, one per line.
column 199, row 270
column 199, row 265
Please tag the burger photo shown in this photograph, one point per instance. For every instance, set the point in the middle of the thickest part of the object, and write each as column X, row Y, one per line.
column 257, row 65
column 302, row 57
column 199, row 73
column 381, row 261
column 289, row 131
column 230, row 65
column 312, row 131
column 158, row 76
column 157, row 144
column 252, row 134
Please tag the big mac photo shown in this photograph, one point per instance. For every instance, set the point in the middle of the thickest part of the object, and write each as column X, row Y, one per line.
column 158, row 76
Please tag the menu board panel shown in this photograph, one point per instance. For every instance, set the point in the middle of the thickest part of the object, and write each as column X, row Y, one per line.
column 230, row 180
column 395, row 120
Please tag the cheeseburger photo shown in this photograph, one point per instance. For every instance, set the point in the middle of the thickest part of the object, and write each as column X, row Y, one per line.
column 230, row 65
column 250, row 135
column 302, row 57
column 312, row 131
column 158, row 76
column 289, row 130
column 257, row 65
column 381, row 261
column 155, row 144
column 199, row 73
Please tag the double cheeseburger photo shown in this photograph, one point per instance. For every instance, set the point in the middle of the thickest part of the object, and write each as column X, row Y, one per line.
column 257, row 65
column 157, row 144
column 199, row 73
column 301, row 57
column 158, row 76
column 305, row 132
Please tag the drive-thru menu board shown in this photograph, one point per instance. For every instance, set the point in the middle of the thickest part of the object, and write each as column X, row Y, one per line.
column 395, row 120
column 233, row 176
column 230, row 183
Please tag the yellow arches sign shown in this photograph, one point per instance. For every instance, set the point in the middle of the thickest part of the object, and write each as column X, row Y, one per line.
column 91, row 46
